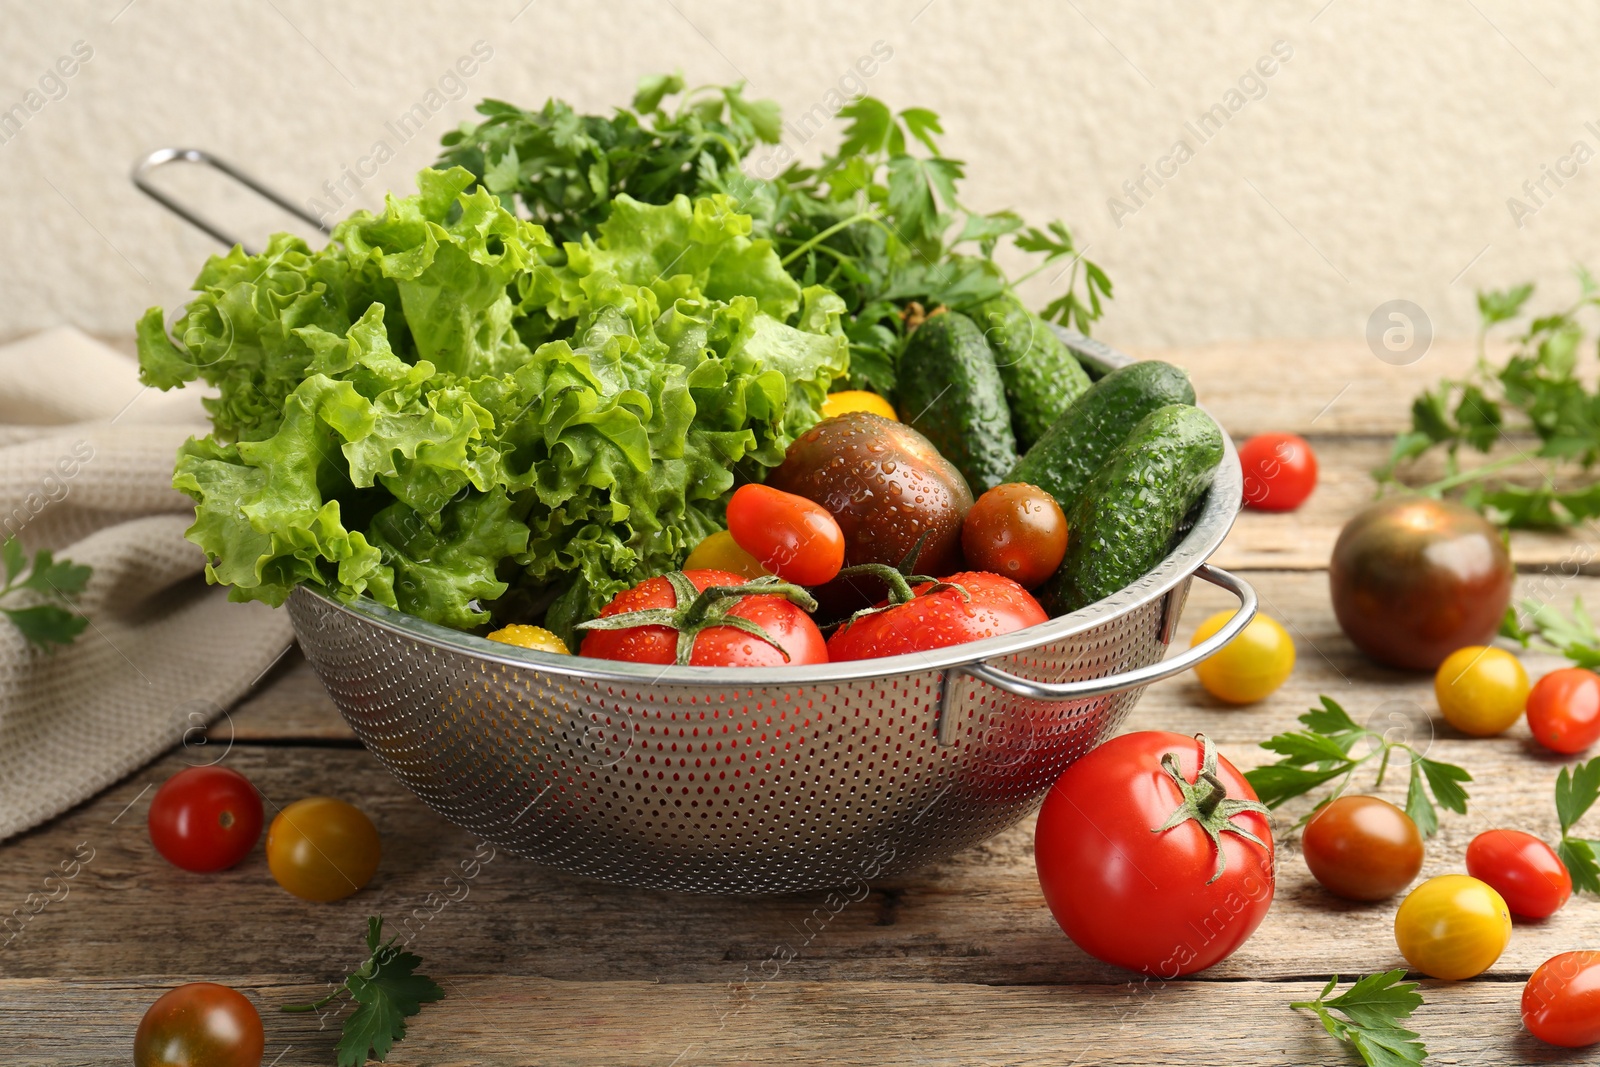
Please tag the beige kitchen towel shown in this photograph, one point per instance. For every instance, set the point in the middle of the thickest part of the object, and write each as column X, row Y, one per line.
column 86, row 458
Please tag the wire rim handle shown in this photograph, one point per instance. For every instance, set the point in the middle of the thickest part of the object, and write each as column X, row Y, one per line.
column 161, row 157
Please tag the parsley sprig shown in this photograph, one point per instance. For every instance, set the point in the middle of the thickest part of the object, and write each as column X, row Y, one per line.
column 1573, row 637
column 47, row 619
column 1321, row 753
column 387, row 992
column 1576, row 790
column 1373, row 1009
column 1539, row 390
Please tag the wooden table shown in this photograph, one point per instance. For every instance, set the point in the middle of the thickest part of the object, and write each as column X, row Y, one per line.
column 956, row 964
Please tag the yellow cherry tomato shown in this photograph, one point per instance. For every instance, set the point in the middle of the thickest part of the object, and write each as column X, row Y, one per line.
column 320, row 848
column 857, row 400
column 1452, row 927
column 1481, row 691
column 1252, row 666
column 535, row 637
column 720, row 552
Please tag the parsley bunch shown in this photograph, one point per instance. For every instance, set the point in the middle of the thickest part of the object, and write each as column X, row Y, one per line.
column 878, row 221
column 55, row 583
column 1539, row 390
column 1373, row 1009
column 1576, row 790
column 1321, row 753
column 386, row 992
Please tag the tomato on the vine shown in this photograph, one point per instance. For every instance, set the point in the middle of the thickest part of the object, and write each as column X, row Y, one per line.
column 1452, row 927
column 1524, row 870
column 794, row 538
column 1564, row 710
column 205, row 818
column 201, row 1024
column 1280, row 470
column 1252, row 666
column 322, row 849
column 1481, row 690
column 1169, row 902
column 964, row 607
column 1017, row 530
column 1362, row 848
column 1561, row 1002
column 707, row 618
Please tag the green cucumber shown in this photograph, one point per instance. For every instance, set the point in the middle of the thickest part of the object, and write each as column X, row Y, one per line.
column 1127, row 516
column 1067, row 456
column 951, row 391
column 1041, row 375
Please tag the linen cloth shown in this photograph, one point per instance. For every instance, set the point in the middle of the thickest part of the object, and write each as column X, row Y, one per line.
column 86, row 457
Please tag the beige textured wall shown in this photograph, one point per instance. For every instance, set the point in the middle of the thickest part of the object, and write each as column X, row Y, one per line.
column 1375, row 163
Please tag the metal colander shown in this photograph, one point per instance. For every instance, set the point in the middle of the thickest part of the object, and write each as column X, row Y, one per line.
column 725, row 780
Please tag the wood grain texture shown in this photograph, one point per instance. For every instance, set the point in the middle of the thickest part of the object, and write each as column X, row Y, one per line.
column 765, row 1017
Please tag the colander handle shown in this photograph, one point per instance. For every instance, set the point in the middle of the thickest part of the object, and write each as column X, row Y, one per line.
column 1116, row 683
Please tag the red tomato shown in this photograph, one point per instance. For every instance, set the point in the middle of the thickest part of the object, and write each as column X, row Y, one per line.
column 1016, row 530
column 1170, row 902
column 792, row 537
column 1564, row 710
column 938, row 617
column 201, row 1024
column 1561, row 1002
column 1525, row 871
column 205, row 818
column 1362, row 848
column 1280, row 470
column 795, row 639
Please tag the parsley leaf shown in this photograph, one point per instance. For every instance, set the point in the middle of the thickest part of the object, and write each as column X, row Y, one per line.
column 1373, row 1009
column 48, row 619
column 1322, row 752
column 1574, row 637
column 387, row 991
column 1577, row 787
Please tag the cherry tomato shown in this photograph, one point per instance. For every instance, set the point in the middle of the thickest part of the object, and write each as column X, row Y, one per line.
column 1481, row 691
column 1415, row 579
column 1252, row 666
column 535, row 637
column 720, row 552
column 1154, row 902
column 1561, row 1002
column 1016, row 530
column 1362, row 848
column 205, row 818
column 201, row 1024
column 937, row 618
column 1564, row 710
column 857, row 400
column 1452, row 927
column 792, row 537
column 320, row 848
column 1522, row 869
column 797, row 638
column 1280, row 470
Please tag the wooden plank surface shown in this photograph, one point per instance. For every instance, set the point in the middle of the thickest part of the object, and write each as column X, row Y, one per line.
column 959, row 963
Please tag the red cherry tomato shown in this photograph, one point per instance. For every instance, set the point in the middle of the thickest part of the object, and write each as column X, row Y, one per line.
column 1522, row 869
column 205, row 818
column 1016, row 530
column 798, row 639
column 1153, row 902
column 936, row 618
column 792, row 537
column 1564, row 710
column 201, row 1024
column 1561, row 1002
column 1362, row 848
column 1280, row 470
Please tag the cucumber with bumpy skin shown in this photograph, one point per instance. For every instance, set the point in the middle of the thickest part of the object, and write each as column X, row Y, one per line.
column 950, row 391
column 1041, row 374
column 1124, row 522
column 1076, row 446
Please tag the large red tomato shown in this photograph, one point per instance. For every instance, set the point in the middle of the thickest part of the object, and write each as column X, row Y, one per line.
column 1155, row 855
column 1415, row 579
column 964, row 607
